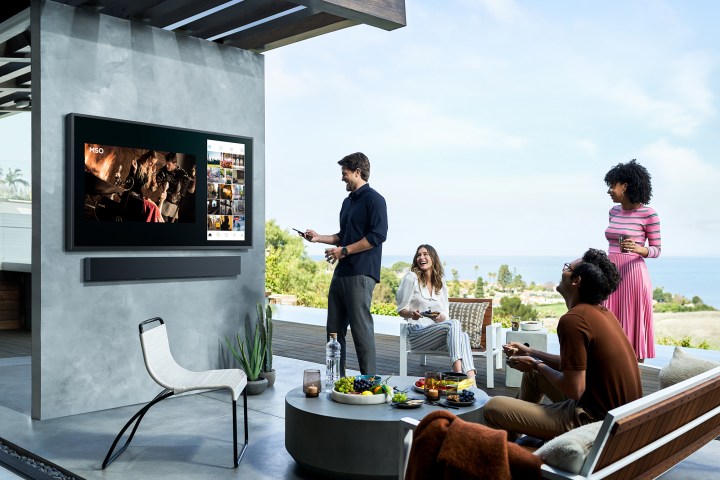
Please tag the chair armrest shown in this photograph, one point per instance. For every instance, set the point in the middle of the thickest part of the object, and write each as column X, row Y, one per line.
column 407, row 427
column 404, row 347
column 644, row 367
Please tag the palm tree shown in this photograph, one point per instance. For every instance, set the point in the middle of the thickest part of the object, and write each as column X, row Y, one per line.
column 13, row 177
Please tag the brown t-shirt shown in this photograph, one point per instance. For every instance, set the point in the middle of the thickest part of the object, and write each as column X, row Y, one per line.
column 591, row 339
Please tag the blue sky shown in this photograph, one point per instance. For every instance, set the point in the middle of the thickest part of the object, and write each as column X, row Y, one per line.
column 491, row 124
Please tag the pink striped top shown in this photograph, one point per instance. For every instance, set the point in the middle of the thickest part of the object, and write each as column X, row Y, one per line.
column 640, row 224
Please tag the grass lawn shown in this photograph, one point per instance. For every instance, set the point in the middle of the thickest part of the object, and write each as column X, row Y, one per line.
column 553, row 310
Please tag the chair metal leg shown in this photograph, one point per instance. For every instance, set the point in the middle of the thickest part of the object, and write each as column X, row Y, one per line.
column 237, row 458
column 138, row 416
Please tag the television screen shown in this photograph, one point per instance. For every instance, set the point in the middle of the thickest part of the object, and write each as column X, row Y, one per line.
column 140, row 185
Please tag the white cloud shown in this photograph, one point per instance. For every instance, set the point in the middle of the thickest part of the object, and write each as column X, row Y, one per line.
column 685, row 196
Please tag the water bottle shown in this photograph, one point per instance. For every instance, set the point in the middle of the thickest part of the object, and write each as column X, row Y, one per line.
column 332, row 361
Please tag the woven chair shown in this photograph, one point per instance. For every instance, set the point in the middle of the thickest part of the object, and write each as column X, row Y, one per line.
column 174, row 379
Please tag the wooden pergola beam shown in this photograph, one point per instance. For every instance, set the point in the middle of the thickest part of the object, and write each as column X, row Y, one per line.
column 385, row 14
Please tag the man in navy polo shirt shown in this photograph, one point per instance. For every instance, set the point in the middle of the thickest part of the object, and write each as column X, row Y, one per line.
column 358, row 251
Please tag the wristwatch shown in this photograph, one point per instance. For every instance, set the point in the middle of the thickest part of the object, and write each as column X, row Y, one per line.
column 537, row 363
column 344, row 252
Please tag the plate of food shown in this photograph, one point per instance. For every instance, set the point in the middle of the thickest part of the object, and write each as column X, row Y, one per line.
column 464, row 399
column 443, row 385
column 430, row 314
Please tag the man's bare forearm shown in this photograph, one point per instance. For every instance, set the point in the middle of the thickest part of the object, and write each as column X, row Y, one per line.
column 328, row 239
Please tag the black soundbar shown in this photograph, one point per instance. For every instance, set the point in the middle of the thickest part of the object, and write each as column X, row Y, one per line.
column 113, row 269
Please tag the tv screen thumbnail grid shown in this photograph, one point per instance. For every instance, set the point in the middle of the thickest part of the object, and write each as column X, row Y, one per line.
column 225, row 190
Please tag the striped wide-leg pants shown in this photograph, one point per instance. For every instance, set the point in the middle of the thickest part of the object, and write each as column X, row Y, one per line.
column 447, row 335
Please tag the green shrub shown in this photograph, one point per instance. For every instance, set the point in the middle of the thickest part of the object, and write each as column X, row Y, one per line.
column 513, row 307
column 685, row 341
column 384, row 309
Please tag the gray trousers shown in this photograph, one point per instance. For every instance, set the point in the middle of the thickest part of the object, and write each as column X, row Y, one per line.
column 448, row 335
column 349, row 304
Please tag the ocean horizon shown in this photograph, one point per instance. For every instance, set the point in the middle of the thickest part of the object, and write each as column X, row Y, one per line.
column 687, row 276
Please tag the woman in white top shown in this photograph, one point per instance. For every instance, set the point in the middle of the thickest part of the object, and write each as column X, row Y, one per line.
column 423, row 290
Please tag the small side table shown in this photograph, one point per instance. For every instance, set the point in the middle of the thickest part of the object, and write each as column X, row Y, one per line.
column 533, row 338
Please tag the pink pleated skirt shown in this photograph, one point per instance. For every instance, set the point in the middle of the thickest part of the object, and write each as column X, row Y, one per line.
column 632, row 302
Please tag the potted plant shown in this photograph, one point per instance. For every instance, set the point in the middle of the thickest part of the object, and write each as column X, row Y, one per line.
column 251, row 359
column 266, row 329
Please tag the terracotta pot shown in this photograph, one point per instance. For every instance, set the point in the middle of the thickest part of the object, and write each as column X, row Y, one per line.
column 270, row 376
column 256, row 387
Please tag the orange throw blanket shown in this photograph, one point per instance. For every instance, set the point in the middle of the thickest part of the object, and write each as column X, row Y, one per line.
column 447, row 447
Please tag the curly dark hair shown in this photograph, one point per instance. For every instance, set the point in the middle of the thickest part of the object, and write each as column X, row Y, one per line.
column 356, row 161
column 637, row 177
column 600, row 277
column 438, row 272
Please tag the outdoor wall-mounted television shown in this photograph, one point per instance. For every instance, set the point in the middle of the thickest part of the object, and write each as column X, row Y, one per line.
column 137, row 185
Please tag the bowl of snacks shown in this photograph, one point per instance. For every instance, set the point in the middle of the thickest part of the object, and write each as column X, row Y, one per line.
column 530, row 326
column 361, row 391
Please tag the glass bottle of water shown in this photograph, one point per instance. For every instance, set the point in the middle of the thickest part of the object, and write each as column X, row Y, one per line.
column 332, row 362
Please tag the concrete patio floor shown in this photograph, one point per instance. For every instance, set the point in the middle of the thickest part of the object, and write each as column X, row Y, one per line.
column 190, row 436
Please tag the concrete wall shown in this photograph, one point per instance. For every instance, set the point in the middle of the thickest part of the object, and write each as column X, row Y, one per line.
column 86, row 352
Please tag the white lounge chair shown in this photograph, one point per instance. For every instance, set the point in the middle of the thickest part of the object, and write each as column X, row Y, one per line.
column 174, row 379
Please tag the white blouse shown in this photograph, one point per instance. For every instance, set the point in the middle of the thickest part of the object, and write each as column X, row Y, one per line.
column 413, row 296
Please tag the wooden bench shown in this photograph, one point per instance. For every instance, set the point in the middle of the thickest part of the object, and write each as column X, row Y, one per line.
column 491, row 342
column 644, row 438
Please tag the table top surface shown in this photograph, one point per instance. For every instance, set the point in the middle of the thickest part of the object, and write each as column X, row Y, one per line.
column 324, row 405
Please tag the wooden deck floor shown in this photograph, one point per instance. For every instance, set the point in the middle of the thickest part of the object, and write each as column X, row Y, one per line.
column 307, row 342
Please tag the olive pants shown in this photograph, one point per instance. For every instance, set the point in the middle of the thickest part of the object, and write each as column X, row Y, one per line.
column 525, row 415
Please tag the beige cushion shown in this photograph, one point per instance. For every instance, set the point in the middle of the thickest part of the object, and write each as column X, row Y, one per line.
column 683, row 366
column 470, row 316
column 569, row 451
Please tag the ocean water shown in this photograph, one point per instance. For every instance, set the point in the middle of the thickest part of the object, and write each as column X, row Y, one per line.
column 688, row 276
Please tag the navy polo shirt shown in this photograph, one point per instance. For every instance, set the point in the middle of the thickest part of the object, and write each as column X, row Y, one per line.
column 363, row 214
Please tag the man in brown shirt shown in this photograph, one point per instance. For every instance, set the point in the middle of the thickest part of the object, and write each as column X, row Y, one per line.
column 596, row 370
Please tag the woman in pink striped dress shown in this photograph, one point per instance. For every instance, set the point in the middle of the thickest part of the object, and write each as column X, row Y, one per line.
column 632, row 222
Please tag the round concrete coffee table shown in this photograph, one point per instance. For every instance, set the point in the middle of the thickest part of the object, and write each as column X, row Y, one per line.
column 355, row 441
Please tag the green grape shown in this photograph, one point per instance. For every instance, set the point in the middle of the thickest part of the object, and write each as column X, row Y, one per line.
column 344, row 385
column 399, row 397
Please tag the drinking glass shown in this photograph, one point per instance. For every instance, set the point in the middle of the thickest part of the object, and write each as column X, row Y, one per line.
column 451, row 385
column 621, row 239
column 432, row 382
column 311, row 383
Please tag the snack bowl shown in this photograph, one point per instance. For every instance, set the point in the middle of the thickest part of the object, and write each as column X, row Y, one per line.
column 358, row 399
column 530, row 325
